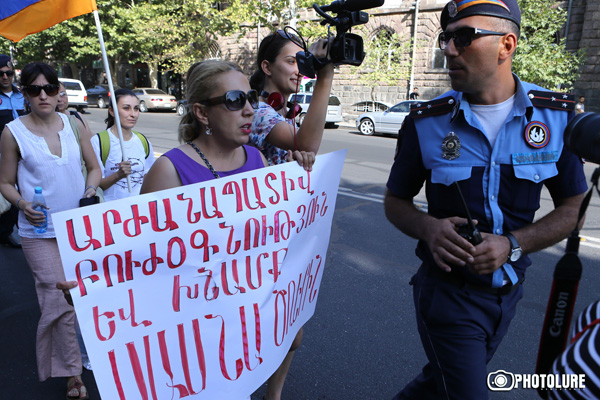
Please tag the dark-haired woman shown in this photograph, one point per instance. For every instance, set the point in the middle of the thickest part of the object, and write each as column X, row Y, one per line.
column 277, row 72
column 40, row 149
column 138, row 149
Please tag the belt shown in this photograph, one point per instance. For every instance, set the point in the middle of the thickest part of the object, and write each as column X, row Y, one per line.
column 461, row 282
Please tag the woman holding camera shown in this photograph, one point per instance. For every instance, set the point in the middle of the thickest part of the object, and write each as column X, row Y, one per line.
column 40, row 149
column 276, row 78
column 274, row 127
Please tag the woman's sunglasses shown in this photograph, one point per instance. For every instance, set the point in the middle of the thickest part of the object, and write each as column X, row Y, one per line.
column 234, row 100
column 35, row 90
column 463, row 37
column 293, row 37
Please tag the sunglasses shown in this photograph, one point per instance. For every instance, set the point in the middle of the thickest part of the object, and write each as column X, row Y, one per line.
column 35, row 90
column 463, row 37
column 8, row 73
column 234, row 100
column 293, row 37
column 62, row 94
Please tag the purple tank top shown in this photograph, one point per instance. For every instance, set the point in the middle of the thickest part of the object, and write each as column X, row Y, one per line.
column 192, row 172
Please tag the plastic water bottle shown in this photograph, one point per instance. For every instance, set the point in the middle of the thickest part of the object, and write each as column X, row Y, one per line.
column 39, row 204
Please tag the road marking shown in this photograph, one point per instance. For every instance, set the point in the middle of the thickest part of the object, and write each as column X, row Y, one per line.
column 377, row 198
column 590, row 241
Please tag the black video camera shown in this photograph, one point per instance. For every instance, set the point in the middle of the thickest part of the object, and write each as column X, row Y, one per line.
column 582, row 136
column 346, row 48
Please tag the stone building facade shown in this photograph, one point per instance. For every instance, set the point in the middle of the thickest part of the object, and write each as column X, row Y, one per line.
column 583, row 32
column 428, row 72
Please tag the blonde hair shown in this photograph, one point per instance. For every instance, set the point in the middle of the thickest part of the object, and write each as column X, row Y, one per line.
column 201, row 82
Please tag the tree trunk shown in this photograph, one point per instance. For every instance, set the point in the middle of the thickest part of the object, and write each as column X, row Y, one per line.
column 152, row 71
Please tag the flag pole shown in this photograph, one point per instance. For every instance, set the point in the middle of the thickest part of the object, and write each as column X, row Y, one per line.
column 113, row 99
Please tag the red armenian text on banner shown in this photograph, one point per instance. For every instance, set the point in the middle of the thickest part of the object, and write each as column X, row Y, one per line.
column 200, row 290
column 19, row 18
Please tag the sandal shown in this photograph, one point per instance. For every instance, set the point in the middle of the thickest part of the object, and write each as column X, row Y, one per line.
column 76, row 389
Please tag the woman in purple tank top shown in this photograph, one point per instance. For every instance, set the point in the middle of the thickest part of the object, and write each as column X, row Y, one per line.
column 214, row 131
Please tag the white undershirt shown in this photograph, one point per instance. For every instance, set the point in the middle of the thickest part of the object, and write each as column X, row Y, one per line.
column 492, row 117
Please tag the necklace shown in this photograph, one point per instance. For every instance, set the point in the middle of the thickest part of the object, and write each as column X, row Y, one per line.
column 203, row 157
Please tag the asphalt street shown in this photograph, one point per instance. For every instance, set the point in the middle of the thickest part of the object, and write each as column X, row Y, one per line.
column 362, row 343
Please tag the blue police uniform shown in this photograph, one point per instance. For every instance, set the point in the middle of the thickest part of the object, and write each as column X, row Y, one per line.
column 11, row 107
column 462, row 317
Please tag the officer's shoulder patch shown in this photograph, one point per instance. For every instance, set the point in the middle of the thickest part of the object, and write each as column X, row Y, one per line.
column 441, row 106
column 553, row 100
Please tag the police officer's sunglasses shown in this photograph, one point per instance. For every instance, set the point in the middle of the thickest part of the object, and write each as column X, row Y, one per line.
column 463, row 36
column 35, row 90
column 234, row 100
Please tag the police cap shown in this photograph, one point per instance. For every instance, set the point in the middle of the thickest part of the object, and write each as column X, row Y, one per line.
column 5, row 61
column 457, row 9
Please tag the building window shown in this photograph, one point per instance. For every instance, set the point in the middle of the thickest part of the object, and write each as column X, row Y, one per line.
column 214, row 51
column 384, row 44
column 438, row 60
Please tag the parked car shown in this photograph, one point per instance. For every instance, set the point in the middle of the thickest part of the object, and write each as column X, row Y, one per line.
column 388, row 121
column 100, row 95
column 334, row 108
column 76, row 93
column 155, row 99
column 181, row 107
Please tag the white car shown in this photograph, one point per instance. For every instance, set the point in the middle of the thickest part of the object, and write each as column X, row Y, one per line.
column 389, row 121
column 155, row 99
column 76, row 93
column 334, row 108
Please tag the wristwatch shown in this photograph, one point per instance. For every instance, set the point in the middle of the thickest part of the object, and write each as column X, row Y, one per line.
column 515, row 250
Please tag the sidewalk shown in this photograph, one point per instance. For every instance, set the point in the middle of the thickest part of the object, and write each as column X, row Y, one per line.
column 19, row 315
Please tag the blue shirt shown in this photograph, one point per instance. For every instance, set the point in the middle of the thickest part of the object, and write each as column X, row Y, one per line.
column 11, row 107
column 501, row 185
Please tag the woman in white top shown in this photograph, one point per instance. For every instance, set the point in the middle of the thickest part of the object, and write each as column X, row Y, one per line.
column 139, row 152
column 40, row 149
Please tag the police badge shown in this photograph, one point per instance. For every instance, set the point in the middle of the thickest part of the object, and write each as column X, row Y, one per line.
column 452, row 9
column 451, row 147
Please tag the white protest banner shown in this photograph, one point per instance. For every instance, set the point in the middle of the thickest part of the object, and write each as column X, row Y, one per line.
column 199, row 290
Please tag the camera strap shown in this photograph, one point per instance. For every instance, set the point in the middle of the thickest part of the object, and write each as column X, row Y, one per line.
column 563, row 294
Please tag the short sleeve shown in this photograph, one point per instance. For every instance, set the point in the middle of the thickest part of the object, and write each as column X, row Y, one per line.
column 150, row 159
column 408, row 172
column 570, row 180
column 265, row 118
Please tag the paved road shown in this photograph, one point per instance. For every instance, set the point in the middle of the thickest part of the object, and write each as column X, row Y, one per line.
column 362, row 343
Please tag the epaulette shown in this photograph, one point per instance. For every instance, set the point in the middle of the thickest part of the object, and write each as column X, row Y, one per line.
column 553, row 100
column 441, row 106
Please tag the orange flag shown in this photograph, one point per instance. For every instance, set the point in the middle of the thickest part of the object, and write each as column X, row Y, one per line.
column 19, row 18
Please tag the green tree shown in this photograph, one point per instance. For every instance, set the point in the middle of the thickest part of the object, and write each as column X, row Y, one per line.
column 387, row 61
column 541, row 56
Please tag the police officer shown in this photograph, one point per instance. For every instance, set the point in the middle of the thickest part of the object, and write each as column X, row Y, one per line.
column 11, row 106
column 501, row 139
